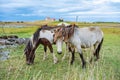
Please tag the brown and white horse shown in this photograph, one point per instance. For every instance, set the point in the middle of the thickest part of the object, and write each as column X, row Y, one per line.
column 79, row 38
column 44, row 36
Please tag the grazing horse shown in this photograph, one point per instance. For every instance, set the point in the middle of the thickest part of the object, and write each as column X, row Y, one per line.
column 79, row 38
column 44, row 36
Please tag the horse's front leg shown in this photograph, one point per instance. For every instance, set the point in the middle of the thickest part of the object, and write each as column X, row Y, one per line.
column 66, row 51
column 81, row 56
column 72, row 50
column 45, row 52
column 54, row 57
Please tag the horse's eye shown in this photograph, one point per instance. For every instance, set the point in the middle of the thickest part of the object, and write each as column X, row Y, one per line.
column 51, row 31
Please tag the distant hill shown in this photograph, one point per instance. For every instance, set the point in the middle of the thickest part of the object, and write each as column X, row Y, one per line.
column 54, row 23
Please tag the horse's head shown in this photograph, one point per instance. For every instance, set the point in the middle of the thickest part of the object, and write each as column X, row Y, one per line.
column 27, row 51
column 57, row 34
column 58, row 39
column 63, row 34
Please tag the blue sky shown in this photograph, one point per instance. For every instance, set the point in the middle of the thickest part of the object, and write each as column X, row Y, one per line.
column 87, row 10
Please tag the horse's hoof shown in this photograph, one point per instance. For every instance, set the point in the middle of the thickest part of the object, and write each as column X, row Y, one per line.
column 29, row 63
column 44, row 59
column 63, row 58
column 84, row 66
column 91, row 61
column 96, row 59
column 71, row 63
column 55, row 61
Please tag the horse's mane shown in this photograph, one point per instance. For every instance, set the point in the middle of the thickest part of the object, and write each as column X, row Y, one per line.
column 68, row 31
column 43, row 27
column 72, row 25
column 46, row 27
column 36, row 35
column 28, row 47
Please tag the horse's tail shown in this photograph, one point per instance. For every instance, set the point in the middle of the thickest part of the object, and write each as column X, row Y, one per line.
column 98, row 49
column 28, row 47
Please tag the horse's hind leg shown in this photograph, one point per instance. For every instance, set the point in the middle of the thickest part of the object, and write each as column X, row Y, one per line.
column 51, row 50
column 97, row 49
column 96, row 52
column 92, row 50
column 45, row 52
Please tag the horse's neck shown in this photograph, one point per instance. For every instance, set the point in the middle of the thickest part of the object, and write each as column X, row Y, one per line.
column 76, row 30
column 74, row 35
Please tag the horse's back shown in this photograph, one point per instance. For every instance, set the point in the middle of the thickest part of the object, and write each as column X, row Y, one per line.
column 89, row 35
column 46, row 34
column 90, row 31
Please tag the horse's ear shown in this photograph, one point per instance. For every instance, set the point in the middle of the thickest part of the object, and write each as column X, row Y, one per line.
column 54, row 30
column 45, row 25
column 41, row 26
column 69, row 26
column 59, row 28
column 73, row 24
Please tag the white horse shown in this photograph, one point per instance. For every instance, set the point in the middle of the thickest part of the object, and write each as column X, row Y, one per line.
column 63, row 24
column 78, row 38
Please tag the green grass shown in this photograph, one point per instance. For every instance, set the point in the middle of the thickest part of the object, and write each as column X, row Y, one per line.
column 21, row 32
column 107, row 68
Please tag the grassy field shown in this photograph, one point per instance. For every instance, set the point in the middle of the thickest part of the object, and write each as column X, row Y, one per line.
column 107, row 68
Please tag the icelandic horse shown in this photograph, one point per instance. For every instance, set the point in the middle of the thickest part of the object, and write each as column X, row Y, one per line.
column 79, row 38
column 44, row 36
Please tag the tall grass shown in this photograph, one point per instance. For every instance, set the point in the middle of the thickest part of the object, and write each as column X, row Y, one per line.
column 107, row 68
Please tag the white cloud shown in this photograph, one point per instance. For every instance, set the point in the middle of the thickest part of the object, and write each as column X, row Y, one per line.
column 61, row 7
column 115, row 0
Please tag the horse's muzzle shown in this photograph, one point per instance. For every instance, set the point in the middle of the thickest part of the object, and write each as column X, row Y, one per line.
column 59, row 52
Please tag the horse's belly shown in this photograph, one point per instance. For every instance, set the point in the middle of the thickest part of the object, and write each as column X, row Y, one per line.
column 87, row 43
column 85, row 46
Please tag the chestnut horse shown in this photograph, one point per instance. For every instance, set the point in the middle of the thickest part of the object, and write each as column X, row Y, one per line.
column 79, row 38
